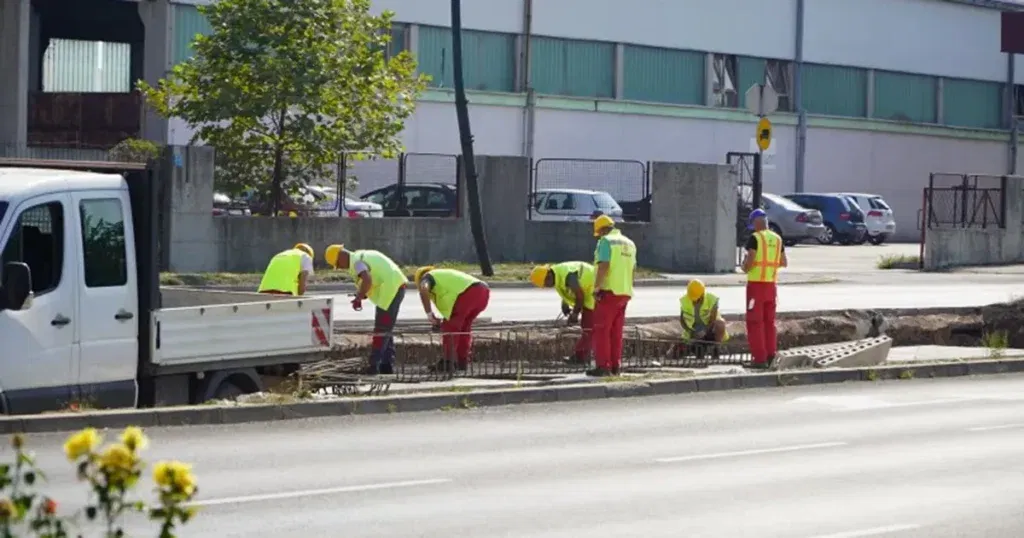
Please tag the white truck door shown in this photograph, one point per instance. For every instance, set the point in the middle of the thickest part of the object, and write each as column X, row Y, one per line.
column 36, row 367
column 108, row 299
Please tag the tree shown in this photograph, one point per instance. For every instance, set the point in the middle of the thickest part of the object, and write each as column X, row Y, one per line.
column 282, row 88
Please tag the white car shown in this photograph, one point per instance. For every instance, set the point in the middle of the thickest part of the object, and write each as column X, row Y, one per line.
column 325, row 204
column 878, row 216
column 572, row 205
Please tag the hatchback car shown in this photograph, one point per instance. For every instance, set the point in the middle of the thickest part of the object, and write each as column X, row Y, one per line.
column 572, row 205
column 844, row 221
column 878, row 216
column 416, row 200
column 792, row 221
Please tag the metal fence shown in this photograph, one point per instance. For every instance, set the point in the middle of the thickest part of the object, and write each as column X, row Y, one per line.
column 964, row 201
column 555, row 184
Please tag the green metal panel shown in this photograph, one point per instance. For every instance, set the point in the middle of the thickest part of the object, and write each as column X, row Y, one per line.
column 573, row 68
column 663, row 75
column 905, row 97
column 971, row 103
column 835, row 91
column 188, row 23
column 398, row 33
column 488, row 58
column 749, row 71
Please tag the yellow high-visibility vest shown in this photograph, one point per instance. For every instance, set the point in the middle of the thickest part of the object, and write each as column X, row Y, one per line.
column 386, row 276
column 282, row 273
column 586, row 277
column 619, row 279
column 767, row 257
column 448, row 285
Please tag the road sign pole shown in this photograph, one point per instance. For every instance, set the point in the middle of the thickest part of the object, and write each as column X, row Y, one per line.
column 756, row 187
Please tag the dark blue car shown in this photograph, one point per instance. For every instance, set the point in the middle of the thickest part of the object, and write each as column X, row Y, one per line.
column 844, row 221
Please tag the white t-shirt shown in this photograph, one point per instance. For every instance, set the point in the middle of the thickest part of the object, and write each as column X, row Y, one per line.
column 307, row 264
column 361, row 267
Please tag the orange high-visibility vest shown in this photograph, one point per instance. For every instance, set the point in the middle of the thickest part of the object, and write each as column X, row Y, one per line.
column 767, row 257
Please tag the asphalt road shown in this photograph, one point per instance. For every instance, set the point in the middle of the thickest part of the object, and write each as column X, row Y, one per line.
column 922, row 459
column 537, row 304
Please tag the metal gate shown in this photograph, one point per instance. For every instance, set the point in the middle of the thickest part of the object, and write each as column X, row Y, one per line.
column 746, row 168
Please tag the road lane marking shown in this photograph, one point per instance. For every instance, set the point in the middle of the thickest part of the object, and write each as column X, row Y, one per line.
column 994, row 428
column 755, row 452
column 867, row 403
column 316, row 492
column 877, row 531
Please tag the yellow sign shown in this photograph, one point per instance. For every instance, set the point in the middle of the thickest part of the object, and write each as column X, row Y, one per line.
column 764, row 134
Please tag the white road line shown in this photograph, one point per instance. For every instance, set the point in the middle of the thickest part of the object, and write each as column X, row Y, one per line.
column 994, row 428
column 739, row 453
column 317, row 492
column 877, row 531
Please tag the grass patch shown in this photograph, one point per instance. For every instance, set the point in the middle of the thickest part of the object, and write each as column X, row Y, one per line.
column 503, row 272
column 899, row 261
column 996, row 342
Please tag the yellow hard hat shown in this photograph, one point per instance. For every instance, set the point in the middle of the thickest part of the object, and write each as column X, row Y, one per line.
column 418, row 275
column 539, row 274
column 602, row 222
column 331, row 255
column 695, row 289
column 305, row 248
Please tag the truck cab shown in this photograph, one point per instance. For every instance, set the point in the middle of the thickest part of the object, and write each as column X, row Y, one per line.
column 80, row 316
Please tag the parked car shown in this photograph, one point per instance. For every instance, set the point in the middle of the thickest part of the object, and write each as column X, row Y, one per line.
column 637, row 211
column 879, row 218
column 224, row 205
column 572, row 205
column 416, row 200
column 792, row 221
column 324, row 203
column 844, row 221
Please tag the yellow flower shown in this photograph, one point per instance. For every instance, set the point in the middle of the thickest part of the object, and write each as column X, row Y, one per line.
column 117, row 458
column 175, row 475
column 134, row 439
column 6, row 509
column 81, row 443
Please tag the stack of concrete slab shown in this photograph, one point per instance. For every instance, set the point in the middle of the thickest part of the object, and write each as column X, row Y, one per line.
column 858, row 353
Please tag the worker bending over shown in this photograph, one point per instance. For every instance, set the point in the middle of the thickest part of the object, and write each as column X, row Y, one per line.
column 615, row 262
column 574, row 283
column 380, row 280
column 460, row 298
column 288, row 272
column 699, row 317
column 765, row 255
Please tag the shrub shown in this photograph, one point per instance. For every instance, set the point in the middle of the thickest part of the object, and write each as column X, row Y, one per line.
column 134, row 150
column 111, row 474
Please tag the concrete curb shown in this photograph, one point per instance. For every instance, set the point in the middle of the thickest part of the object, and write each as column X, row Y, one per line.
column 594, row 390
column 344, row 287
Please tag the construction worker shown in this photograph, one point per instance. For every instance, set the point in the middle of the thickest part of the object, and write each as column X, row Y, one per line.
column 382, row 281
column 459, row 299
column 699, row 317
column 574, row 283
column 615, row 262
column 765, row 255
column 288, row 272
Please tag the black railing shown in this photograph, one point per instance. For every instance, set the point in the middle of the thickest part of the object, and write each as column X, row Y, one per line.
column 553, row 184
column 964, row 201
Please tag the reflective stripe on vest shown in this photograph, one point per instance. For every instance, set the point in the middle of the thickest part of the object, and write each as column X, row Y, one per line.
column 448, row 285
column 619, row 279
column 386, row 276
column 282, row 272
column 767, row 257
column 585, row 274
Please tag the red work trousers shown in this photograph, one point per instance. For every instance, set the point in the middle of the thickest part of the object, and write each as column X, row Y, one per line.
column 761, row 336
column 609, row 317
column 585, row 343
column 456, row 331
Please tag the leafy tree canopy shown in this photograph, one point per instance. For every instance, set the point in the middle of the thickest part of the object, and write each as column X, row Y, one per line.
column 282, row 87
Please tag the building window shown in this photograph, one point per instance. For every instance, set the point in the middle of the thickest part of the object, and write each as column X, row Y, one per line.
column 1018, row 101
column 779, row 75
column 724, row 82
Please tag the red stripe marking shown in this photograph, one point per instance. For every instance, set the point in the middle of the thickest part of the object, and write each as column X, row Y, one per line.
column 318, row 331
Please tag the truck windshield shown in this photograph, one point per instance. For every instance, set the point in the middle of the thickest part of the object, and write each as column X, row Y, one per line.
column 3, row 209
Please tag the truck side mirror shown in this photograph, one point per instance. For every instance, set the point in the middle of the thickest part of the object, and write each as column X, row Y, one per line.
column 16, row 286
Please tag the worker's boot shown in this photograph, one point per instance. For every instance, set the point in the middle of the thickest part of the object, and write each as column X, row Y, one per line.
column 772, row 360
column 599, row 372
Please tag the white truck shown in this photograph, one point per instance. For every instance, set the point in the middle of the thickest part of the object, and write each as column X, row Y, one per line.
column 80, row 302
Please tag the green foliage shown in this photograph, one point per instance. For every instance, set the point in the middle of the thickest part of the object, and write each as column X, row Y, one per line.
column 134, row 150
column 281, row 88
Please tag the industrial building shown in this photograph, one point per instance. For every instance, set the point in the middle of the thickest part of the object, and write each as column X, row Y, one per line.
column 891, row 89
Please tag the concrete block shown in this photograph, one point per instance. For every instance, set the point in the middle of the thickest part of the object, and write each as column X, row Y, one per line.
column 790, row 360
column 950, row 370
column 988, row 367
column 405, row 404
column 573, row 393
column 489, row 398
column 673, row 386
column 799, row 378
column 839, row 376
column 325, row 408
column 628, row 390
column 531, row 395
column 759, row 381
column 858, row 354
column 709, row 384
column 240, row 414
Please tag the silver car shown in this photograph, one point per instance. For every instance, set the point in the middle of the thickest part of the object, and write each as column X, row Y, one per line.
column 792, row 221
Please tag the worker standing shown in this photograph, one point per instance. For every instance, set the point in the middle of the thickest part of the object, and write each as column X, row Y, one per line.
column 765, row 255
column 380, row 280
column 699, row 316
column 615, row 262
column 574, row 283
column 460, row 298
column 288, row 272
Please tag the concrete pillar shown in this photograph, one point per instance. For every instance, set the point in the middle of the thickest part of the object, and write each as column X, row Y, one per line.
column 620, row 71
column 193, row 238
column 35, row 54
column 504, row 189
column 15, row 30
column 158, row 19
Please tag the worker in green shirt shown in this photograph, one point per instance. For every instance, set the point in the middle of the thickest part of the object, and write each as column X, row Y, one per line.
column 615, row 261
column 460, row 298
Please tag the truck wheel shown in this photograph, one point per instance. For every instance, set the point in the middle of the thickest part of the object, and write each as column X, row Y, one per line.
column 228, row 391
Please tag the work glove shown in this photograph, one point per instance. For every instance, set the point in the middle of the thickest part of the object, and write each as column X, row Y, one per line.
column 573, row 319
column 357, row 304
column 565, row 309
